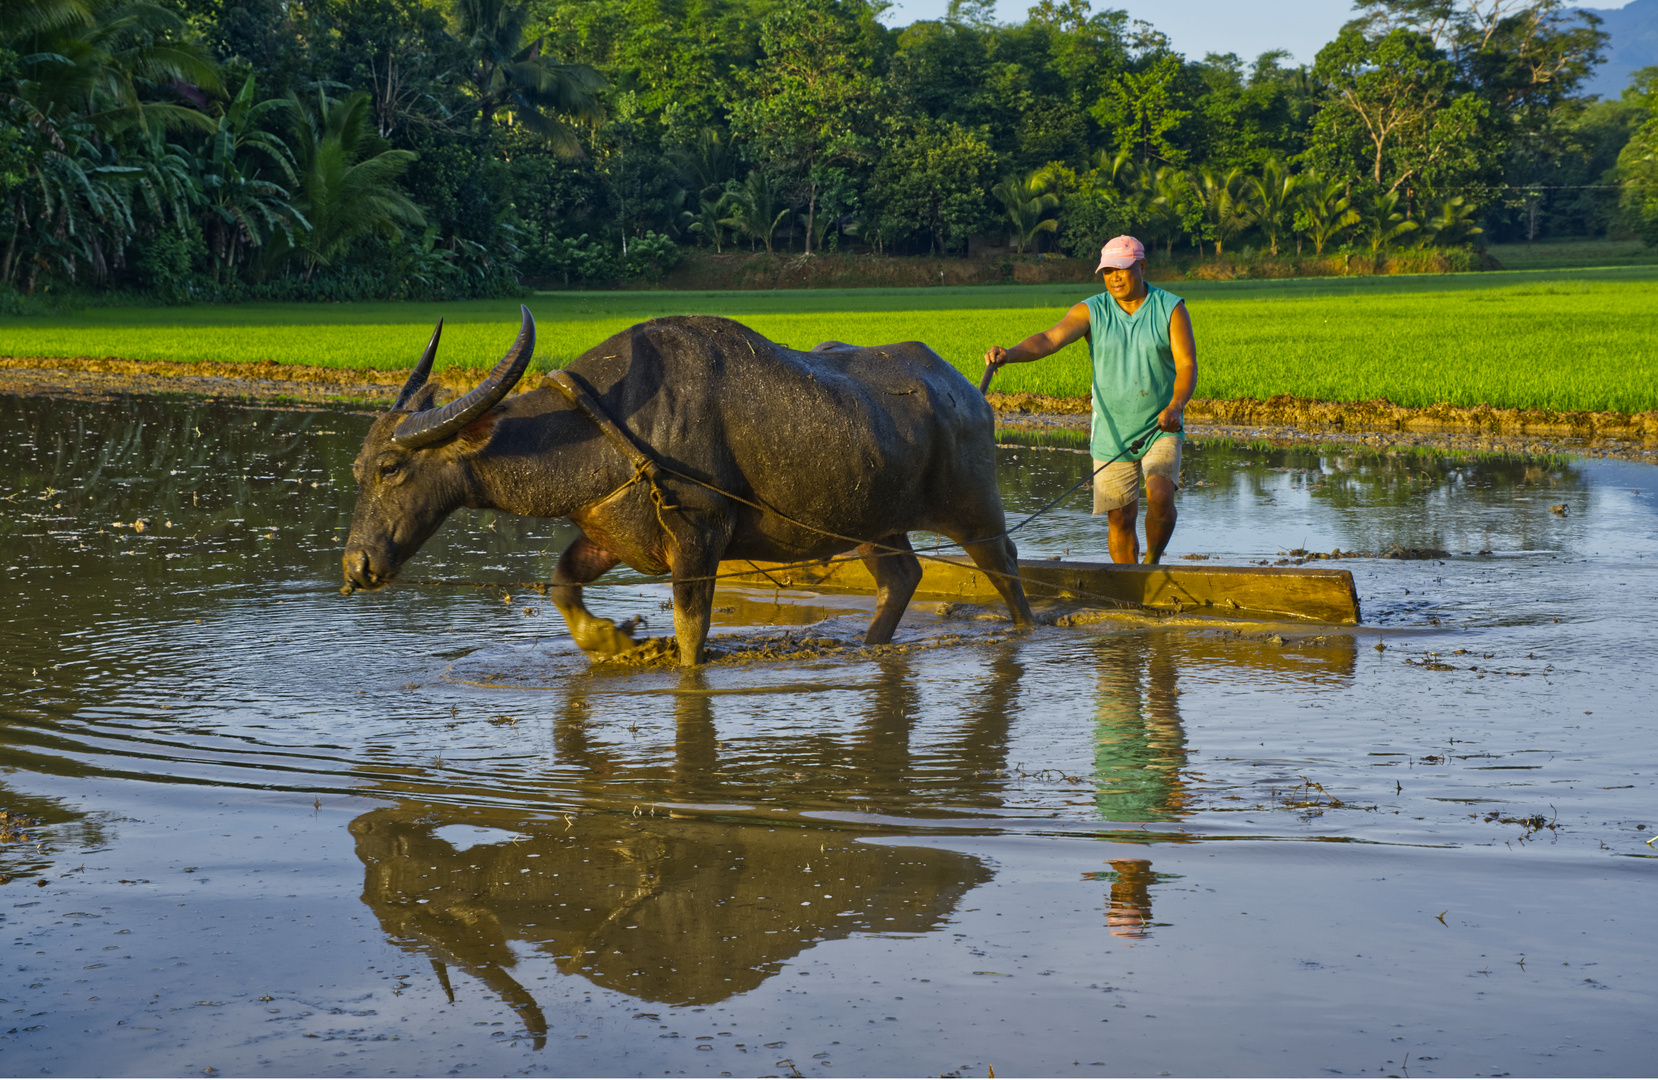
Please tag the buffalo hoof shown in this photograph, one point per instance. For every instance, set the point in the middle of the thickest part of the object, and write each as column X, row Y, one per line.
column 601, row 637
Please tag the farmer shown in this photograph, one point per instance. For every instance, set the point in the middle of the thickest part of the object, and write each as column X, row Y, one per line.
column 1145, row 369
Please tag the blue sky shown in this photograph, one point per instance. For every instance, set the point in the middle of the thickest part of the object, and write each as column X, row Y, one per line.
column 1246, row 27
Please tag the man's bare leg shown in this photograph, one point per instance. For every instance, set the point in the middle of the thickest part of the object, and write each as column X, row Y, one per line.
column 1123, row 538
column 1160, row 517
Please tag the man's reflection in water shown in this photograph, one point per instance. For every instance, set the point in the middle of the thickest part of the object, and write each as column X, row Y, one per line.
column 1129, row 913
column 1139, row 744
column 1139, row 752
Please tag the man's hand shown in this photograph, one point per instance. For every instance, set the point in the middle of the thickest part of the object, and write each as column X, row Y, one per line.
column 1172, row 418
column 1073, row 327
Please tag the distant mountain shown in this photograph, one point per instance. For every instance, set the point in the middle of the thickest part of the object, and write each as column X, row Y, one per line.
column 1634, row 45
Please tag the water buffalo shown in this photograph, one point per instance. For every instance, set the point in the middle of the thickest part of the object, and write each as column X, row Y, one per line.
column 764, row 451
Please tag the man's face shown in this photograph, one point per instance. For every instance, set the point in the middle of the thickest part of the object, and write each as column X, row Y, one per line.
column 1125, row 283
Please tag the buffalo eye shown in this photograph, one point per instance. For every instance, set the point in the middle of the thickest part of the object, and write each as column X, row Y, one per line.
column 391, row 471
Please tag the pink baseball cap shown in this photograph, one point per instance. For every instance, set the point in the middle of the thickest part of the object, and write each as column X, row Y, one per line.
column 1120, row 252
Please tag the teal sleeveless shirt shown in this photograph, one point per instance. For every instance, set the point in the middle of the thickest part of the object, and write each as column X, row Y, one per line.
column 1133, row 371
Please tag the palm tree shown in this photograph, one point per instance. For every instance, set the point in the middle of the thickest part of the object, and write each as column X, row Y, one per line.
column 85, row 60
column 504, row 73
column 1323, row 210
column 757, row 214
column 1224, row 208
column 1382, row 222
column 1451, row 222
column 1027, row 203
column 341, row 195
column 1271, row 200
column 707, row 162
column 1164, row 196
column 709, row 220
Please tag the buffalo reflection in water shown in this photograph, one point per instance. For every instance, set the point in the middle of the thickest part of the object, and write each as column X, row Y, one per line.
column 693, row 910
column 683, row 912
column 679, row 910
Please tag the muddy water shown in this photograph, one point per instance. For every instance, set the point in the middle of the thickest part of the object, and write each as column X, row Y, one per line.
column 281, row 831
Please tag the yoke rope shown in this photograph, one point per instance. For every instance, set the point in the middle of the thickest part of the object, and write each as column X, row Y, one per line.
column 647, row 466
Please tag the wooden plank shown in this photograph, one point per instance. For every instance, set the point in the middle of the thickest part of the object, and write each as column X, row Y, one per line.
column 1313, row 594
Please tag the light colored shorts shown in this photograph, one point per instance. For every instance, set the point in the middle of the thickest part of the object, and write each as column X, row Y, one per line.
column 1118, row 484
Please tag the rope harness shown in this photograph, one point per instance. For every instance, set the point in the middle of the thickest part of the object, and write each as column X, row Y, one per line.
column 647, row 468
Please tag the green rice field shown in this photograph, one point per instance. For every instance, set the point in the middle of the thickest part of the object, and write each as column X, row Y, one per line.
column 1578, row 339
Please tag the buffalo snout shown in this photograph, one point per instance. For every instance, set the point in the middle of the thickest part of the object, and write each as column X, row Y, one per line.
column 360, row 572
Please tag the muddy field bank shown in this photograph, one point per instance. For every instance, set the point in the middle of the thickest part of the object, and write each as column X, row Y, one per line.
column 1282, row 420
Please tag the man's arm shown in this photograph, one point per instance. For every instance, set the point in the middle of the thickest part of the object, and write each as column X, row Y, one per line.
column 1073, row 327
column 1184, row 347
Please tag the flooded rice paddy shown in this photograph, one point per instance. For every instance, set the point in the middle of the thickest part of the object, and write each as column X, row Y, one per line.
column 255, row 827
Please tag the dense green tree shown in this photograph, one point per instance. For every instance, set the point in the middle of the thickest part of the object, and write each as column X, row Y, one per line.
column 580, row 140
column 1246, row 122
column 1637, row 170
column 809, row 101
column 1393, row 115
column 676, row 56
column 932, row 178
column 1143, row 110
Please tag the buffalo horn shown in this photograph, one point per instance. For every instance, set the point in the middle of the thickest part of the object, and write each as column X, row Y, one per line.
column 422, row 371
column 434, row 425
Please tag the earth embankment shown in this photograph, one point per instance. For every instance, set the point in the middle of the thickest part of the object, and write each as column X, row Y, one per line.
column 1278, row 419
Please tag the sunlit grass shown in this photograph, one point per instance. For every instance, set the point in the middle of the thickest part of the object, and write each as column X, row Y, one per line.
column 1583, row 340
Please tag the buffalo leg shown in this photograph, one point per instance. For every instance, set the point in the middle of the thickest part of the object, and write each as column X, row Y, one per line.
column 896, row 575
column 999, row 560
column 581, row 562
column 693, row 604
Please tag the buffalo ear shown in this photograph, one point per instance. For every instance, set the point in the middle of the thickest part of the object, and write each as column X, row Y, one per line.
column 474, row 438
column 425, row 398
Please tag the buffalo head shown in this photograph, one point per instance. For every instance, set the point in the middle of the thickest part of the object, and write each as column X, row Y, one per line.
column 414, row 469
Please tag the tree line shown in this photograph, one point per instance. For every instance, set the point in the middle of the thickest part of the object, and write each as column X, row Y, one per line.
column 340, row 149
